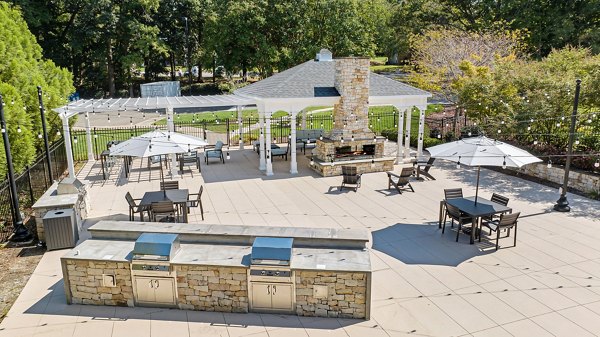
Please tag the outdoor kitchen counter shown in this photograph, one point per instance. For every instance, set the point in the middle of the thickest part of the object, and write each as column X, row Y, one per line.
column 227, row 256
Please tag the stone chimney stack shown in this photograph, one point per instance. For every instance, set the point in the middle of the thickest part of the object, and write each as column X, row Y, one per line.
column 351, row 113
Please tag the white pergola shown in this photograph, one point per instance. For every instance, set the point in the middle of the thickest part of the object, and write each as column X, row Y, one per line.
column 293, row 90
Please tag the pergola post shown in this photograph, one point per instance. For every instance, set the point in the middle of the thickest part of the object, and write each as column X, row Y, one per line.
column 88, row 137
column 68, row 150
column 292, row 144
column 400, row 145
column 261, row 138
column 171, row 128
column 240, row 126
column 407, row 134
column 421, row 132
column 269, row 162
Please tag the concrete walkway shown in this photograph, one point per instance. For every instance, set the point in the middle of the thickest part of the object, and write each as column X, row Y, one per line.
column 424, row 283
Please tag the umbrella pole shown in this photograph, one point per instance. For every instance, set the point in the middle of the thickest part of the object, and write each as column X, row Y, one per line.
column 162, row 177
column 477, row 188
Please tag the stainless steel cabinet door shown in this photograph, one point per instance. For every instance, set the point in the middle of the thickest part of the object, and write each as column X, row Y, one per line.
column 281, row 296
column 261, row 295
column 144, row 287
column 164, row 290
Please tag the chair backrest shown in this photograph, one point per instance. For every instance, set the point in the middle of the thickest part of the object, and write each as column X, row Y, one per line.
column 349, row 174
column 453, row 211
column 162, row 206
column 429, row 164
column 499, row 199
column 191, row 154
column 406, row 172
column 508, row 219
column 219, row 145
column 200, row 192
column 169, row 185
column 453, row 193
column 130, row 200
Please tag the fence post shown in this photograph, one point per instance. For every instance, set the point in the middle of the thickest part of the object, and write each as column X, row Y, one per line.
column 28, row 170
column 204, row 130
column 228, row 132
column 96, row 143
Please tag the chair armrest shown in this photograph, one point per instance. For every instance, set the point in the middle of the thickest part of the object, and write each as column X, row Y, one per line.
column 209, row 146
column 392, row 174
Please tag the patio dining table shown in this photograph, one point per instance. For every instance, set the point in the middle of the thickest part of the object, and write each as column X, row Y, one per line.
column 483, row 208
column 179, row 197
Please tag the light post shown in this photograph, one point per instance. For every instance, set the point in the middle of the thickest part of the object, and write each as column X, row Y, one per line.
column 562, row 204
column 187, row 55
column 45, row 135
column 21, row 234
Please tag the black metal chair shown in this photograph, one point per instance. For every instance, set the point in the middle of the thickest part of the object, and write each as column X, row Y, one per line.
column 449, row 193
column 169, row 185
column 197, row 201
column 455, row 214
column 350, row 177
column 136, row 208
column 401, row 182
column 164, row 211
column 506, row 221
column 499, row 199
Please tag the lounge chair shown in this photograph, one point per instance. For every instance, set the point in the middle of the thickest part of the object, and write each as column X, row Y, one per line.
column 506, row 221
column 400, row 182
column 189, row 159
column 424, row 172
column 350, row 177
column 214, row 151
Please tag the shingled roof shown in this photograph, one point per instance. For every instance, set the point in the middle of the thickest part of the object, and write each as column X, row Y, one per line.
column 316, row 79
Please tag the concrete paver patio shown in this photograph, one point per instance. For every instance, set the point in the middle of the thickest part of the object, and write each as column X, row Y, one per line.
column 424, row 283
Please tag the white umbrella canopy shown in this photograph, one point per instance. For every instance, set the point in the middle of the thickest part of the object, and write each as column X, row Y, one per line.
column 482, row 151
column 157, row 143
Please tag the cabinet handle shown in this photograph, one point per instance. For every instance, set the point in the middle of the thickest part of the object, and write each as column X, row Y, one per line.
column 156, row 283
column 150, row 284
column 269, row 290
column 274, row 289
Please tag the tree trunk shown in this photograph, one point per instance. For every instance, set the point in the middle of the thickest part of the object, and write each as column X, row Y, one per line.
column 111, row 69
column 147, row 66
column 199, row 80
column 172, row 61
column 244, row 72
column 214, row 69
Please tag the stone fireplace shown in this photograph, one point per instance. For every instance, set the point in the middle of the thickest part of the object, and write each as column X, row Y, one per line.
column 351, row 142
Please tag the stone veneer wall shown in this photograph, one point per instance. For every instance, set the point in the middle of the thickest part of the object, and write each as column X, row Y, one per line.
column 83, row 281
column 582, row 181
column 347, row 294
column 210, row 288
column 326, row 170
column 352, row 83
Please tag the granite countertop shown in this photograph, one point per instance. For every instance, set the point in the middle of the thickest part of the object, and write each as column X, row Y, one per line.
column 227, row 255
column 50, row 199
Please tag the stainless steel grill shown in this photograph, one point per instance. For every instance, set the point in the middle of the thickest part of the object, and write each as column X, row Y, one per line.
column 152, row 274
column 271, row 281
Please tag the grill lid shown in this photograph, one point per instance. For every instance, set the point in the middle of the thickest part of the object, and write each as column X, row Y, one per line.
column 276, row 251
column 153, row 246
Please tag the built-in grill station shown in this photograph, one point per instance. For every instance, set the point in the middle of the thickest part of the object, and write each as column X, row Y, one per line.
column 271, row 281
column 153, row 277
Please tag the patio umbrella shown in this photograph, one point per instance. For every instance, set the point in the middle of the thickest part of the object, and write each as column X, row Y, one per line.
column 482, row 151
column 157, row 143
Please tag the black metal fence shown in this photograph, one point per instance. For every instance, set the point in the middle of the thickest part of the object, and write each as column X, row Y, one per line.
column 31, row 184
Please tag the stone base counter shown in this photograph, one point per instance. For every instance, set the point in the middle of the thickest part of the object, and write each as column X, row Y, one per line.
column 98, row 282
column 332, row 294
column 333, row 280
column 212, row 288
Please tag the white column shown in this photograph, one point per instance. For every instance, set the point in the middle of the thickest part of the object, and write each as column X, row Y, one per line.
column 421, row 132
column 261, row 139
column 292, row 144
column 171, row 128
column 407, row 135
column 269, row 158
column 400, row 150
column 69, row 151
column 88, row 137
column 239, row 119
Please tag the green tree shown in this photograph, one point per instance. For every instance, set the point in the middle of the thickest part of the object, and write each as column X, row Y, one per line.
column 22, row 69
